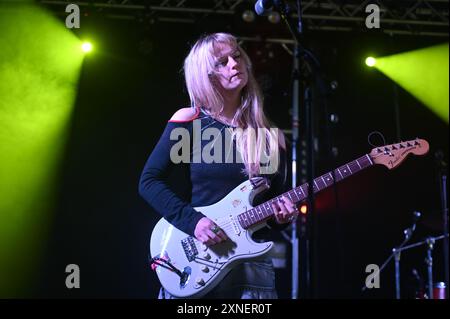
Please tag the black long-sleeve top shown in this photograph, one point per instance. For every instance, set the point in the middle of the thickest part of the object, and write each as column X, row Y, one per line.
column 208, row 181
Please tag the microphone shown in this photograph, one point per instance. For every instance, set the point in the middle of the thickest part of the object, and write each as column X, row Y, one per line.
column 418, row 283
column 439, row 158
column 416, row 216
column 262, row 7
column 409, row 231
column 416, row 275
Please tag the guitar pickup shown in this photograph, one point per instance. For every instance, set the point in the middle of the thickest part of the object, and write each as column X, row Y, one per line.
column 189, row 247
column 236, row 228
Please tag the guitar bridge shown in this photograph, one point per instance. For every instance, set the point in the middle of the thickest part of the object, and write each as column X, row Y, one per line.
column 189, row 248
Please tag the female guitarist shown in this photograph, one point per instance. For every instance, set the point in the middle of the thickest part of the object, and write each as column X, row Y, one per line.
column 229, row 140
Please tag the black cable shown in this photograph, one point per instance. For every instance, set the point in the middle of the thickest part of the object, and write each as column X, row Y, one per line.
column 156, row 260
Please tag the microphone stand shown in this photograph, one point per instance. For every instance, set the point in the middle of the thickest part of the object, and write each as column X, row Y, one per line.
column 396, row 253
column 429, row 262
column 301, row 56
column 430, row 241
column 442, row 166
column 295, row 116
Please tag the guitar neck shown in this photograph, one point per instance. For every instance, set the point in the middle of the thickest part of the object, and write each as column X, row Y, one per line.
column 300, row 193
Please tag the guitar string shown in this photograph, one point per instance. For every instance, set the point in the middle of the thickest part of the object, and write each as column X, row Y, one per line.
column 229, row 224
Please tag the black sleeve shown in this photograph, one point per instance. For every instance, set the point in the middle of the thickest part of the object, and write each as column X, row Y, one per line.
column 153, row 185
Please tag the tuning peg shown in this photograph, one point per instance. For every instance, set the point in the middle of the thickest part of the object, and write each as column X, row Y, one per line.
column 416, row 143
column 394, row 148
column 402, row 146
column 408, row 144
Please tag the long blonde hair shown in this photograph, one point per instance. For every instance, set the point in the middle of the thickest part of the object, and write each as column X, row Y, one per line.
column 255, row 138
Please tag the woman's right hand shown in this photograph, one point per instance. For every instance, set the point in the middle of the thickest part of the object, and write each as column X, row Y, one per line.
column 207, row 232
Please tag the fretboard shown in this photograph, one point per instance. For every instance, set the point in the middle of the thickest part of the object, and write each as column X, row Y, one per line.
column 264, row 211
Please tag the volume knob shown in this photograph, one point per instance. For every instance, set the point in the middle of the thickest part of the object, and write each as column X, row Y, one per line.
column 200, row 281
column 205, row 268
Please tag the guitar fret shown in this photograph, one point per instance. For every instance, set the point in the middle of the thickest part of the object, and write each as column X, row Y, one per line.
column 354, row 166
column 349, row 168
column 323, row 182
column 342, row 177
column 303, row 193
column 250, row 215
column 330, row 178
column 249, row 219
column 357, row 162
column 364, row 163
column 242, row 220
column 289, row 196
column 370, row 161
column 255, row 214
column 315, row 184
column 260, row 213
column 246, row 223
column 268, row 209
column 344, row 171
column 255, row 218
column 296, row 195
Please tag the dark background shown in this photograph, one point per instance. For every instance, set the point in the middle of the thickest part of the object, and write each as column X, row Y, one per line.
column 131, row 85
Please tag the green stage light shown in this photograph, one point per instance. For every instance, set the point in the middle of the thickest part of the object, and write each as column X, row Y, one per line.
column 423, row 73
column 86, row 47
column 37, row 93
column 371, row 61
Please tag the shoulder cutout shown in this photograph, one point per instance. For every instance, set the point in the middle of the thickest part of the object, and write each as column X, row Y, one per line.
column 185, row 114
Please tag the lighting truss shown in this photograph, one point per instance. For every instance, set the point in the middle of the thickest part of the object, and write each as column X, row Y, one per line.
column 411, row 17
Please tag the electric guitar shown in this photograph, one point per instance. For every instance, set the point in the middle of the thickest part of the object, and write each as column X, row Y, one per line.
column 187, row 268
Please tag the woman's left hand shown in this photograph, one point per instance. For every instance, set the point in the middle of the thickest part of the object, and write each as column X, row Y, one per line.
column 285, row 211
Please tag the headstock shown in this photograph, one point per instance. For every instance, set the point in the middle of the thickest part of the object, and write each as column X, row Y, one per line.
column 392, row 155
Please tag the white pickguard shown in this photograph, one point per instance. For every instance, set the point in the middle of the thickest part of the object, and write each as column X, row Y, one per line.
column 212, row 263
